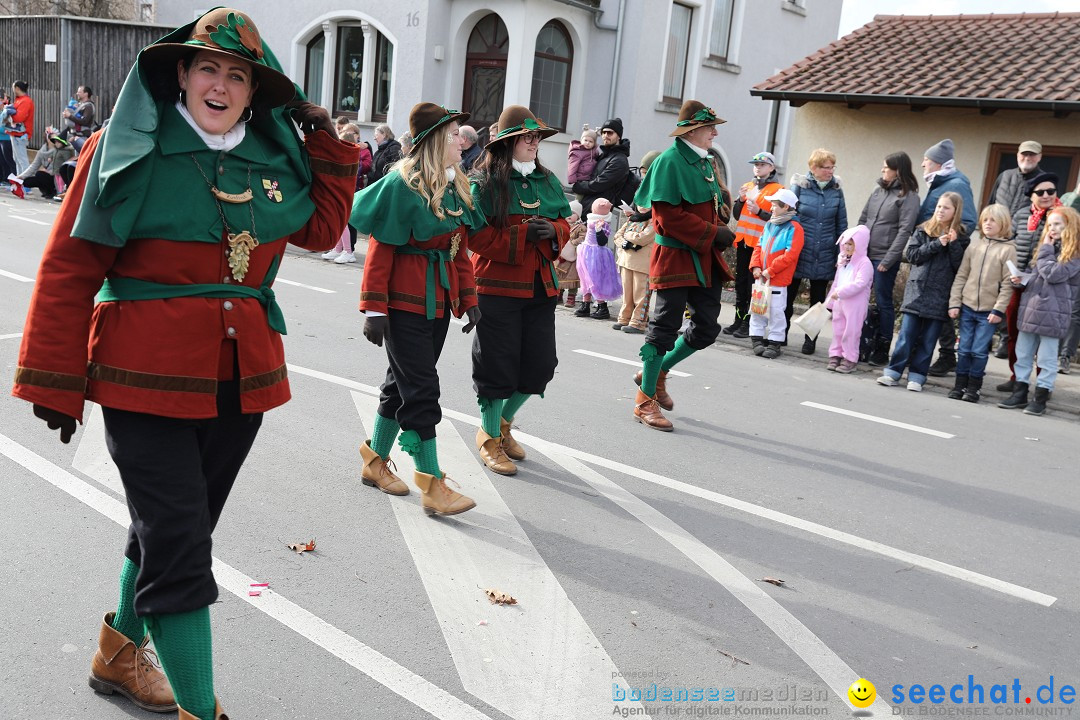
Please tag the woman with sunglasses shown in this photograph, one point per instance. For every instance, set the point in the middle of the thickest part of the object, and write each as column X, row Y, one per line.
column 513, row 258
column 1028, row 223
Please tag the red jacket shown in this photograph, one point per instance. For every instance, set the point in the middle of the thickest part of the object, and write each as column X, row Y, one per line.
column 24, row 113
column 694, row 226
column 399, row 281
column 505, row 263
column 164, row 357
column 778, row 252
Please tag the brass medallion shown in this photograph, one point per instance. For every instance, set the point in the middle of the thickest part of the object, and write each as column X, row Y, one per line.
column 240, row 246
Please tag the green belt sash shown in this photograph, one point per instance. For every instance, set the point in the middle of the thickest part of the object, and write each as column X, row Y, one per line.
column 122, row 288
column 672, row 243
column 436, row 258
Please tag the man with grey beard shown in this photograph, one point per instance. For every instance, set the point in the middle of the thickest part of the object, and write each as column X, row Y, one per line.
column 1008, row 189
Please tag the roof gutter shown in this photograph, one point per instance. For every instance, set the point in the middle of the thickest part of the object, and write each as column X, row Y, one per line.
column 916, row 100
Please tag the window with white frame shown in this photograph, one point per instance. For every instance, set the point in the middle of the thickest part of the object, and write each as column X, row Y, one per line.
column 678, row 48
column 720, row 36
column 551, row 74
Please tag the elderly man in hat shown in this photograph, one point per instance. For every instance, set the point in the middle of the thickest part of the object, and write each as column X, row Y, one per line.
column 690, row 213
column 1010, row 187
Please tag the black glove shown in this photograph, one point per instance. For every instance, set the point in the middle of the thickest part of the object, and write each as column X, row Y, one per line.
column 473, row 314
column 376, row 327
column 311, row 117
column 725, row 238
column 540, row 231
column 57, row 420
column 601, row 237
column 579, row 187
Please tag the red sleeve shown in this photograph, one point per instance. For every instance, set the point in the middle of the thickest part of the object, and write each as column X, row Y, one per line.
column 562, row 236
column 333, row 183
column 466, row 278
column 505, row 246
column 52, row 359
column 678, row 222
column 787, row 259
column 375, row 282
column 755, row 259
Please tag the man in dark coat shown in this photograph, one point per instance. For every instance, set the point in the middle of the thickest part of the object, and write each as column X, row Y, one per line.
column 611, row 179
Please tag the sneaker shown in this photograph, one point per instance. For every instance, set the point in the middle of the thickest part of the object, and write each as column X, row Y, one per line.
column 771, row 351
column 914, row 386
column 58, row 198
column 345, row 257
column 632, row 330
column 887, row 381
column 846, row 367
column 1064, row 363
column 330, row 255
column 617, row 326
column 834, row 362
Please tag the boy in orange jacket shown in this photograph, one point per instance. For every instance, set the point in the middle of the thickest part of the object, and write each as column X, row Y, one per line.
column 773, row 262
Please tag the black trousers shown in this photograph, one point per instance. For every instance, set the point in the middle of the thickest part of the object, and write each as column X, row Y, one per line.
column 667, row 316
column 817, row 294
column 177, row 475
column 7, row 160
column 410, row 393
column 947, row 340
column 42, row 180
column 67, row 172
column 514, row 345
column 744, row 280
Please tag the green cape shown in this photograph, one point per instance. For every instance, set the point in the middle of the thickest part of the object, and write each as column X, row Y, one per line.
column 544, row 187
column 123, row 164
column 679, row 175
column 392, row 212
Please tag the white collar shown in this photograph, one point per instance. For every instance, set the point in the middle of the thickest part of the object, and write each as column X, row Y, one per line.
column 526, row 169
column 225, row 142
column 701, row 153
column 451, row 173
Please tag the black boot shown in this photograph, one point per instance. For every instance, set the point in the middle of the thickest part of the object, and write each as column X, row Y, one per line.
column 1007, row 386
column 957, row 393
column 945, row 364
column 809, row 344
column 1038, row 404
column 974, row 390
column 1002, row 351
column 735, row 325
column 601, row 312
column 583, row 309
column 771, row 351
column 879, row 355
column 743, row 331
column 1018, row 399
column 757, row 343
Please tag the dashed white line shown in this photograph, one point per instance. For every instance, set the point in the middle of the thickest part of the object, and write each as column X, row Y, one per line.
column 10, row 336
column 634, row 363
column 879, row 420
column 13, row 276
column 378, row 667
column 30, row 220
column 309, row 287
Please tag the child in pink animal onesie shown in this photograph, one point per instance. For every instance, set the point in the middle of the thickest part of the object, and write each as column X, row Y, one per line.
column 849, row 298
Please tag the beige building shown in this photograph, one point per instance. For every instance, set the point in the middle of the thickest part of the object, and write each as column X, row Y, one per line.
column 904, row 83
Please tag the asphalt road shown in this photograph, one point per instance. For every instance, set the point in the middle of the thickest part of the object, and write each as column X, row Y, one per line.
column 919, row 540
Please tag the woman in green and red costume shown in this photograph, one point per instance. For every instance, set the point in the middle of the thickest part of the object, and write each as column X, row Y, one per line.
column 416, row 274
column 176, row 219
column 514, row 348
column 690, row 211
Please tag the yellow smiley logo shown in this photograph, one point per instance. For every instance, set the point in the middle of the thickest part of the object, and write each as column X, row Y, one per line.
column 862, row 693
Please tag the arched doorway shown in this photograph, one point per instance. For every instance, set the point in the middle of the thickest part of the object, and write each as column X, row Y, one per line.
column 485, row 70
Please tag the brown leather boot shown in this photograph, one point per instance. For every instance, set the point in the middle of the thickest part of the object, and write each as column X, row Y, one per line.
column 513, row 450
column 121, row 667
column 218, row 715
column 647, row 411
column 377, row 473
column 438, row 498
column 662, row 398
column 493, row 453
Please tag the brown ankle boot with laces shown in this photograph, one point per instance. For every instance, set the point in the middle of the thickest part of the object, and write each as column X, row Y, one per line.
column 438, row 498
column 119, row 666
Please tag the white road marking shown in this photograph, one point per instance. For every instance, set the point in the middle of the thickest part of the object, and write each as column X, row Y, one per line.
column 378, row 667
column 634, row 363
column 13, row 276
column 92, row 456
column 814, row 528
column 880, row 420
column 309, row 287
column 29, row 220
column 808, row 646
column 10, row 336
column 542, row 637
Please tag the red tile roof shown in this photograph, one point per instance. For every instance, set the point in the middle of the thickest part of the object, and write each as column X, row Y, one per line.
column 989, row 61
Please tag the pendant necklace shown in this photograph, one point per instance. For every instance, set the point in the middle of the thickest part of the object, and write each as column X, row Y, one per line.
column 242, row 243
column 711, row 179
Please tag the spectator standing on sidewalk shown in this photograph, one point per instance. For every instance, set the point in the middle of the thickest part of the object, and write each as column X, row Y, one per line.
column 890, row 213
column 79, row 121
column 387, row 152
column 941, row 175
column 7, row 160
column 472, row 150
column 611, row 177
column 633, row 249
column 21, row 111
column 822, row 213
column 1010, row 186
column 753, row 210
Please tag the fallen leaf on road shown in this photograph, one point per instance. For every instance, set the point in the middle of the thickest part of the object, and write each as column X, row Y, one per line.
column 773, row 581
column 733, row 658
column 498, row 597
column 301, row 548
column 972, row 647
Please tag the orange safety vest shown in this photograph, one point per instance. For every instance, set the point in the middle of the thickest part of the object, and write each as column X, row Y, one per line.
column 750, row 226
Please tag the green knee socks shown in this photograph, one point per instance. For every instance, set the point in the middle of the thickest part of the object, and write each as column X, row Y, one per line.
column 382, row 437
column 650, row 368
column 491, row 409
column 423, row 452
column 125, row 621
column 680, row 352
column 182, row 641
column 512, row 405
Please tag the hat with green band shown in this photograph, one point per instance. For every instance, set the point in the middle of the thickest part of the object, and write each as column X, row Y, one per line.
column 519, row 120
column 426, row 117
column 692, row 115
column 224, row 31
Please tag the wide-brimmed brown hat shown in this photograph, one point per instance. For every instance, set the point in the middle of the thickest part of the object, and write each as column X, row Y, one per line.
column 519, row 120
column 228, row 32
column 694, row 114
column 427, row 116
